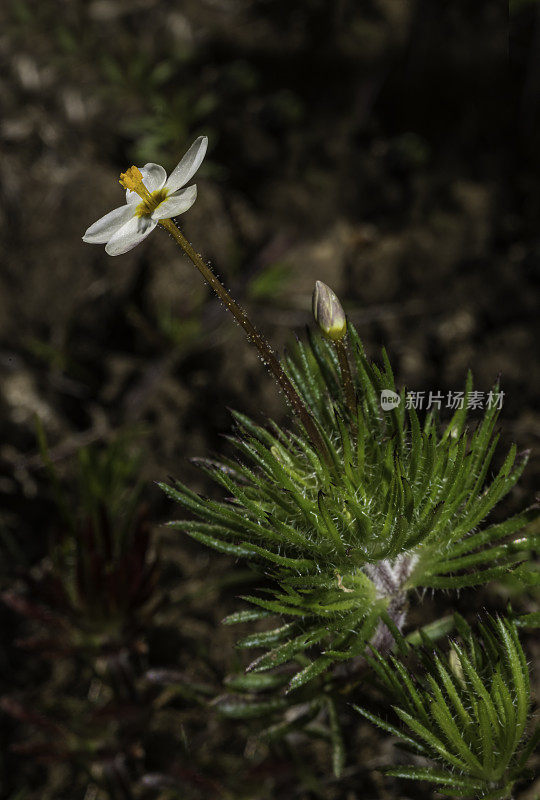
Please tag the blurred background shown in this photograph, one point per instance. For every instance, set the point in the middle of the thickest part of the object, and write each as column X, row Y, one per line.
column 386, row 147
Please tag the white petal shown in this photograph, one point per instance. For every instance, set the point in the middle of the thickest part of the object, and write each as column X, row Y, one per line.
column 189, row 165
column 130, row 235
column 176, row 203
column 102, row 230
column 153, row 178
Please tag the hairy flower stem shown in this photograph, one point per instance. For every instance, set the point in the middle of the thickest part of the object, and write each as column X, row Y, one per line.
column 254, row 337
column 347, row 379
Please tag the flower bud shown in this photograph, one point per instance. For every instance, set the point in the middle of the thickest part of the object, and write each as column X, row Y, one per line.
column 328, row 312
column 456, row 667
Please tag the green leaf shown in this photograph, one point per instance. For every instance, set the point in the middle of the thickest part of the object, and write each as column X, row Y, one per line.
column 265, row 638
column 433, row 630
column 284, row 652
column 432, row 741
column 434, row 776
column 310, row 672
column 391, row 729
column 336, row 738
column 234, row 708
column 529, row 620
column 256, row 681
column 223, row 547
column 461, row 581
column 250, row 615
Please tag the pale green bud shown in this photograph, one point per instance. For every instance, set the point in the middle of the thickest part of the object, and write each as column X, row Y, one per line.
column 328, row 312
column 456, row 667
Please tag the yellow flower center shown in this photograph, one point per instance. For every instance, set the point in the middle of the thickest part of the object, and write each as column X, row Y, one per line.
column 151, row 203
column 132, row 179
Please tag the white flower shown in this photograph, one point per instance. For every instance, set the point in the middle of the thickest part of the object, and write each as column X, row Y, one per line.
column 150, row 196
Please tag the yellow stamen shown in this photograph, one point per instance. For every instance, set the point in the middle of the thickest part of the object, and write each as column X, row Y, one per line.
column 131, row 179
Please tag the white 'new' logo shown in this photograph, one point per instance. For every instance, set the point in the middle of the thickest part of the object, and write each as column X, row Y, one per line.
column 389, row 400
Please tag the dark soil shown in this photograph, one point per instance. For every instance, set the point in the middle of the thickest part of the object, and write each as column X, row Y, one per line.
column 389, row 149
